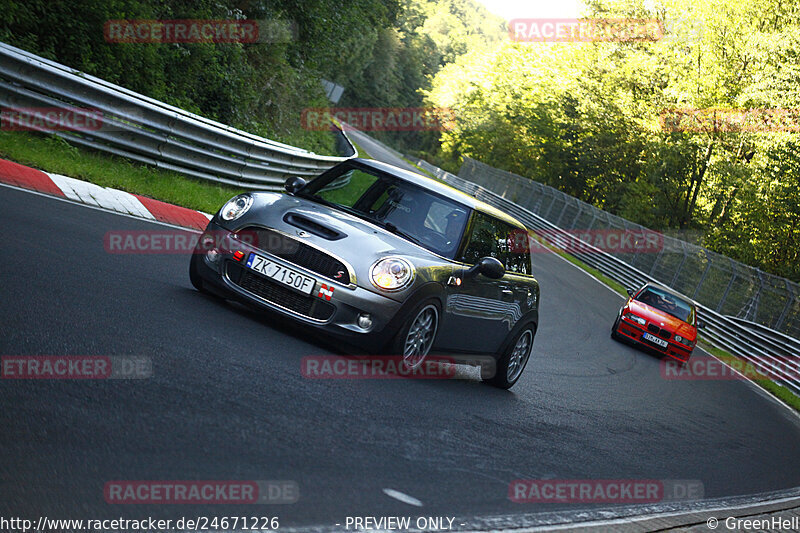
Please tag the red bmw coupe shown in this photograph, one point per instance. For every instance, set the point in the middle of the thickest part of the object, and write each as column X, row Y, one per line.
column 660, row 319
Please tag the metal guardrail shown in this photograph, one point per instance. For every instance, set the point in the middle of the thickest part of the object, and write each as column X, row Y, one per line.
column 770, row 350
column 152, row 132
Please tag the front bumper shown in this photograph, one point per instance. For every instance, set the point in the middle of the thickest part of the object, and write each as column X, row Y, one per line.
column 337, row 316
column 634, row 332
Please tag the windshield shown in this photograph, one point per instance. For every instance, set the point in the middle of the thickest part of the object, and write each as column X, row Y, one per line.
column 421, row 216
column 670, row 304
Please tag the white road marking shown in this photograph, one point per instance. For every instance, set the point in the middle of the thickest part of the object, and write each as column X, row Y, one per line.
column 81, row 191
column 132, row 205
column 405, row 498
column 95, row 195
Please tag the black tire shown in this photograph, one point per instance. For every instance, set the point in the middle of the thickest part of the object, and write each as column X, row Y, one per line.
column 399, row 344
column 194, row 276
column 614, row 334
column 504, row 378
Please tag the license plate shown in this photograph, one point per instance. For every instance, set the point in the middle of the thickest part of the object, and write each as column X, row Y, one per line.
column 287, row 276
column 652, row 338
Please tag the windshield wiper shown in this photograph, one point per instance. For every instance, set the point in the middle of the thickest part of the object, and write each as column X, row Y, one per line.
column 397, row 231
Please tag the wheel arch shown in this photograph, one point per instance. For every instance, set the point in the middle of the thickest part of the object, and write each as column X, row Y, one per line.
column 529, row 319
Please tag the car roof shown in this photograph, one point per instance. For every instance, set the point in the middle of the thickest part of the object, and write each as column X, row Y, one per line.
column 670, row 292
column 438, row 187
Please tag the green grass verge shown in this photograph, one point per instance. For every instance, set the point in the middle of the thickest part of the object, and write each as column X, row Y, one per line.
column 361, row 152
column 422, row 170
column 782, row 393
column 53, row 154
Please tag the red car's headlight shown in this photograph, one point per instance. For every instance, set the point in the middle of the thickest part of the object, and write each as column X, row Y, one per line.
column 685, row 342
column 639, row 320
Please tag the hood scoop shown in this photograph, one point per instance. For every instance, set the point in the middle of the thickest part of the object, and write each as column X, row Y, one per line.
column 314, row 227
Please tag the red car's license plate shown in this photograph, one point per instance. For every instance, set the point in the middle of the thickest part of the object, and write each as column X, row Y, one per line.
column 652, row 338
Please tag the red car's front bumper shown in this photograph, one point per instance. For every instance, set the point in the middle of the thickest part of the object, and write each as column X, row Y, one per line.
column 634, row 332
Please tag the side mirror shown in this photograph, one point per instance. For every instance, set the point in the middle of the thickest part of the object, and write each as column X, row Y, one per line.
column 294, row 184
column 629, row 291
column 489, row 267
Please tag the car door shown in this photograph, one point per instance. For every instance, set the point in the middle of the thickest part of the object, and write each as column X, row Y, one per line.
column 480, row 311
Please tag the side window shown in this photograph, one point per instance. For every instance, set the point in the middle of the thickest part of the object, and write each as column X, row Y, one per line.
column 495, row 238
column 519, row 256
column 480, row 239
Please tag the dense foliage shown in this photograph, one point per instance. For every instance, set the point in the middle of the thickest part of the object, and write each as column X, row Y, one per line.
column 586, row 118
column 382, row 51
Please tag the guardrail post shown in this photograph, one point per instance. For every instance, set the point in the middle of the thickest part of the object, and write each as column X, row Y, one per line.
column 594, row 218
column 577, row 216
column 529, row 199
column 752, row 305
column 563, row 210
column 550, row 208
column 728, row 289
column 658, row 257
column 680, row 266
column 702, row 278
column 786, row 307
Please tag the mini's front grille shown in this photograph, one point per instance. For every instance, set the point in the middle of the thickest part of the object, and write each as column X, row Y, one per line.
column 295, row 252
column 273, row 292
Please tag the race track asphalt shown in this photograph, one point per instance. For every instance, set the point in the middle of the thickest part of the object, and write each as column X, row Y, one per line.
column 227, row 399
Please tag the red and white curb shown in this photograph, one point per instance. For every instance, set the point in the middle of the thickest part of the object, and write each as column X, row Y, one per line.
column 102, row 197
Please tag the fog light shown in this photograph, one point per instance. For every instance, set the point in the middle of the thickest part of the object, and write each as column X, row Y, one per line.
column 213, row 255
column 364, row 321
column 208, row 242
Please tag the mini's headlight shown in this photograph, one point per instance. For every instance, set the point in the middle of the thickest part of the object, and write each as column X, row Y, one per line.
column 236, row 207
column 391, row 273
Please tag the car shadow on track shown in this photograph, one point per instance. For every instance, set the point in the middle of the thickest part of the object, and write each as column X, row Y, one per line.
column 451, row 372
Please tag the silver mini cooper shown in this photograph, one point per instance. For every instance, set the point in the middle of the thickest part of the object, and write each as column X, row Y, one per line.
column 384, row 259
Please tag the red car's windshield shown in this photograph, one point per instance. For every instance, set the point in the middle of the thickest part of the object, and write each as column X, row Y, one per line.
column 669, row 303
